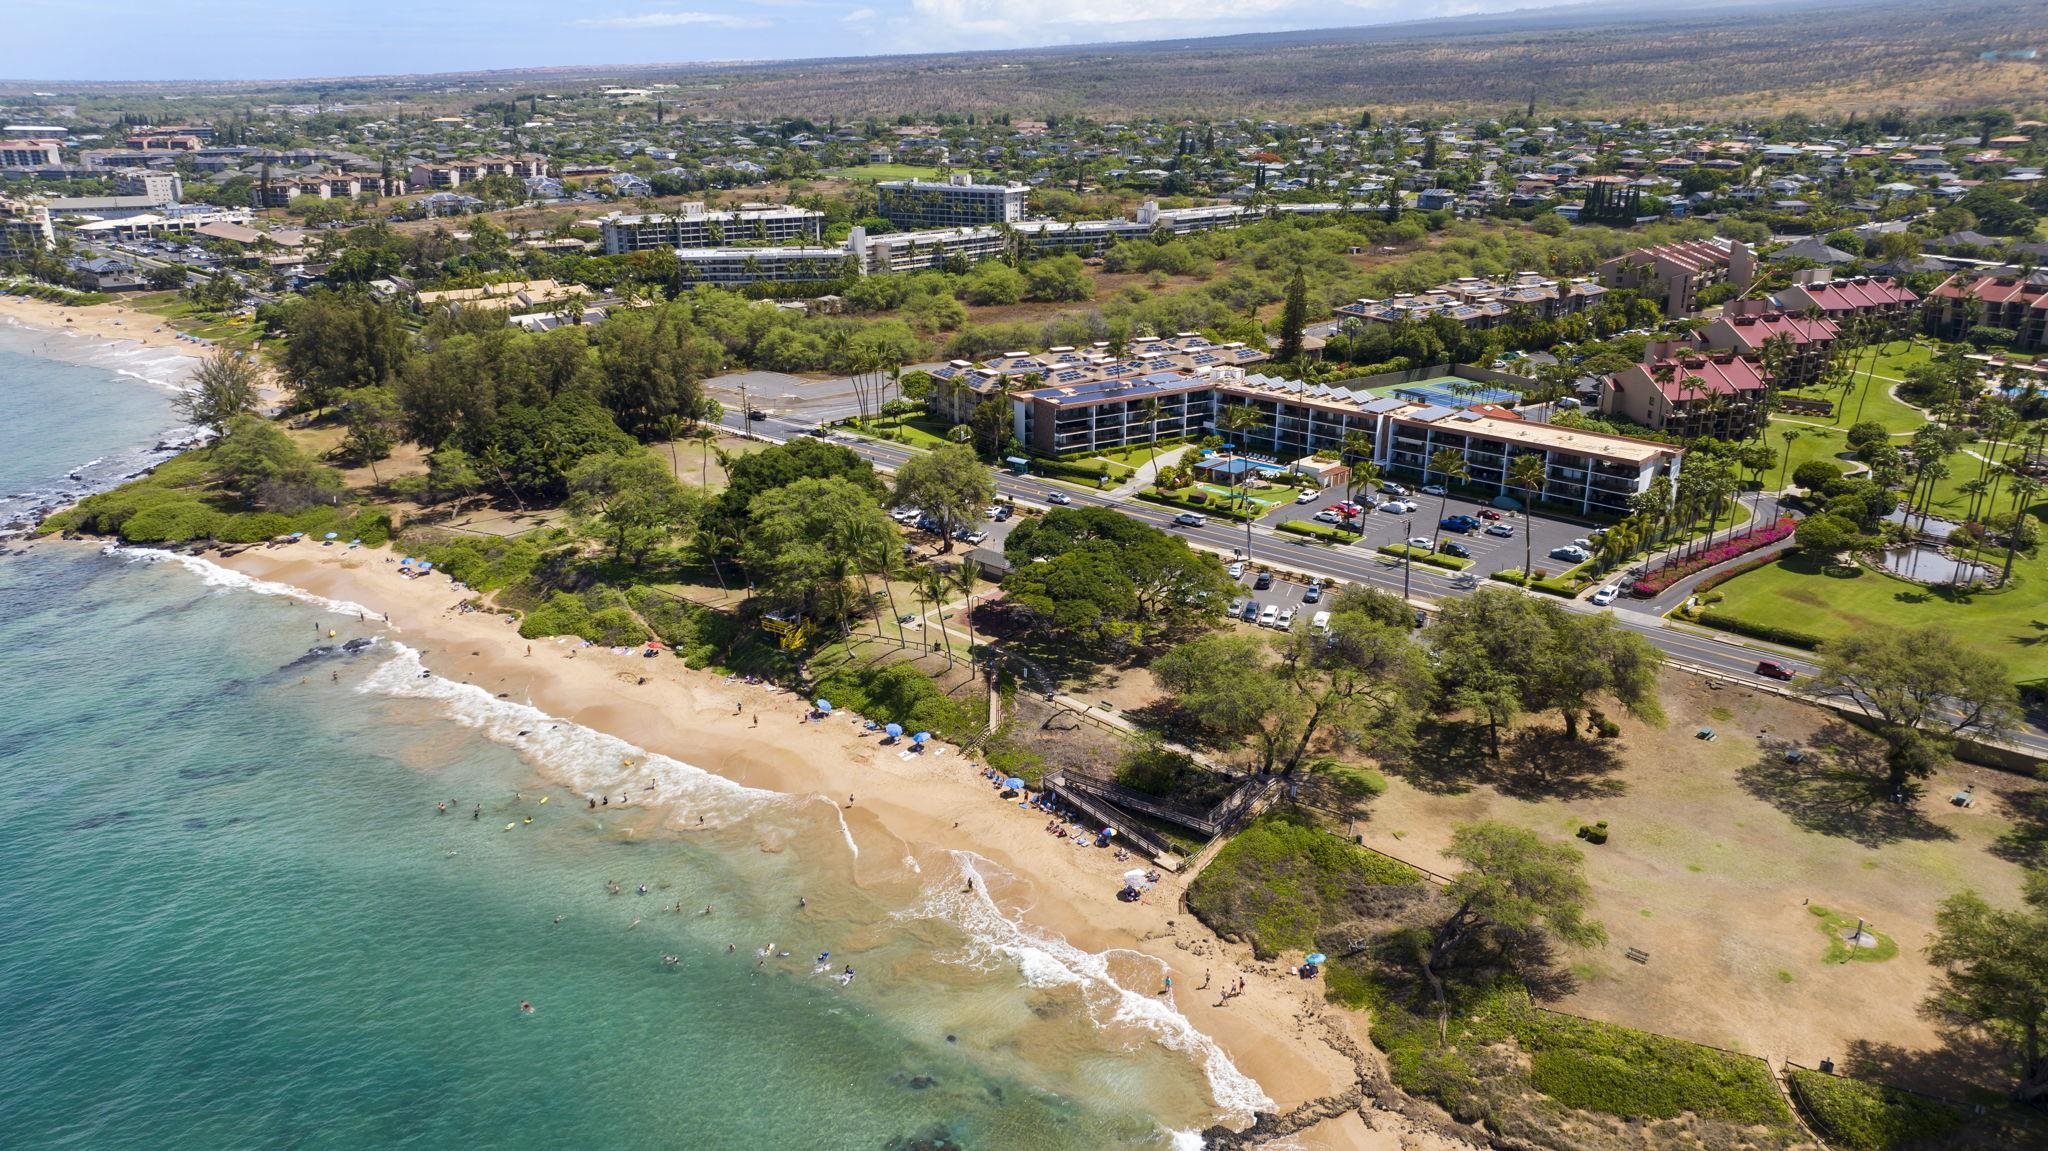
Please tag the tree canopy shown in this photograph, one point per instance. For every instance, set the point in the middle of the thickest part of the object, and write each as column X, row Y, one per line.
column 1994, row 974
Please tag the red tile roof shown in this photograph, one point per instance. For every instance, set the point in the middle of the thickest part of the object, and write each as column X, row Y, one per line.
column 1857, row 294
column 1752, row 331
column 1693, row 377
column 1993, row 289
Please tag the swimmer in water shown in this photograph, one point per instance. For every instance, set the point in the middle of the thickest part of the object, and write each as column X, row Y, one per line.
column 560, row 918
column 525, row 1008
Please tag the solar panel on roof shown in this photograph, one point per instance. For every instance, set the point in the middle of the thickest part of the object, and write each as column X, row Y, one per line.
column 1430, row 415
column 1469, row 415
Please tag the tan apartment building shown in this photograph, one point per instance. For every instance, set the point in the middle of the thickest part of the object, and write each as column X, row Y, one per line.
column 1678, row 272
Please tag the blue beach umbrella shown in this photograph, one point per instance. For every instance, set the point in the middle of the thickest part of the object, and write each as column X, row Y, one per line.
column 920, row 737
column 823, row 705
column 1317, row 959
column 334, row 535
column 1014, row 783
column 894, row 730
column 405, row 562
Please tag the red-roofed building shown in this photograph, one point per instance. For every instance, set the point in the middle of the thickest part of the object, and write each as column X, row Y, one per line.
column 1858, row 296
column 1678, row 272
column 1966, row 300
column 1718, row 394
column 1745, row 327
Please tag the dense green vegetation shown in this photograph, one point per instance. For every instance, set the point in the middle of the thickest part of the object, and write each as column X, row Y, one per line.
column 1281, row 880
column 1863, row 1116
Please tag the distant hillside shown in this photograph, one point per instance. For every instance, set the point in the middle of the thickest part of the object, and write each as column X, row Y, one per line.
column 1725, row 58
column 1710, row 58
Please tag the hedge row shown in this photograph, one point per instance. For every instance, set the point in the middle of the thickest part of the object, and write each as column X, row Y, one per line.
column 1330, row 532
column 1436, row 559
column 1207, row 508
column 1743, row 568
column 1790, row 637
column 1867, row 1116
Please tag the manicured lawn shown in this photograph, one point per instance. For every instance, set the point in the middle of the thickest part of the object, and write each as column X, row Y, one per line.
column 1870, row 398
column 917, row 431
column 1793, row 594
column 883, row 172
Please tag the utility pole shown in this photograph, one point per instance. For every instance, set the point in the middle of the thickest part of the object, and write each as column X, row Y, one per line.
column 746, row 414
column 1407, row 554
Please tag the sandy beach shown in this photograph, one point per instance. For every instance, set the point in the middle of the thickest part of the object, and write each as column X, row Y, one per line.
column 1279, row 1031
column 98, row 321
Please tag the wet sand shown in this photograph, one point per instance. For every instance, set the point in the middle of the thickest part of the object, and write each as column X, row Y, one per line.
column 1278, row 1031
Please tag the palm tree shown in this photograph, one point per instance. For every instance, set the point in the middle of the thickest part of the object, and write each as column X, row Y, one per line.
column 671, row 427
column 1448, row 463
column 1238, row 419
column 966, row 577
column 1357, row 445
column 2022, row 487
column 1526, row 473
column 883, row 554
column 932, row 586
column 1151, row 411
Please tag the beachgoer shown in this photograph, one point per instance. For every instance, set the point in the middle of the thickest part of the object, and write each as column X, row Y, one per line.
column 756, row 723
column 593, row 803
column 707, row 909
column 529, row 649
column 849, row 801
column 335, row 676
column 802, row 902
column 1168, row 989
column 738, row 708
column 478, row 813
column 525, row 1007
column 730, row 948
column 441, row 808
column 560, row 918
column 607, row 801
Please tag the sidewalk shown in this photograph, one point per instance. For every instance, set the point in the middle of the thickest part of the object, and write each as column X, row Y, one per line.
column 1147, row 471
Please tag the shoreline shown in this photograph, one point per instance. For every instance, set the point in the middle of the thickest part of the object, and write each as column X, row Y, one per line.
column 1279, row 1034
column 110, row 321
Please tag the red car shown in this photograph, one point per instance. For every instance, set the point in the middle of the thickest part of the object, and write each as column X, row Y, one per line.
column 1488, row 514
column 1773, row 669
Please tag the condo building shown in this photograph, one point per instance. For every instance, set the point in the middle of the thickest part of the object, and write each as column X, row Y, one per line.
column 959, row 202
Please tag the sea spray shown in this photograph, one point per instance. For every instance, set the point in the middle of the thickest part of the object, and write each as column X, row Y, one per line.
column 586, row 759
column 1047, row 960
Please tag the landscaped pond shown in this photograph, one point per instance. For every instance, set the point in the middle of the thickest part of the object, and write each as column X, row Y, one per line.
column 1923, row 564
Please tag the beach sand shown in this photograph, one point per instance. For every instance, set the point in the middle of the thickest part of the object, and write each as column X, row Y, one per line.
column 98, row 321
column 1279, row 1032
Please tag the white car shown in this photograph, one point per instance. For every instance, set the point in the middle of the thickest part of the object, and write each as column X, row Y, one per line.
column 1328, row 517
column 1058, row 498
column 1269, row 615
column 1320, row 624
column 1433, row 490
column 1286, row 620
column 1393, row 489
column 1397, row 507
column 1422, row 542
column 1236, row 570
column 1606, row 595
column 1308, row 496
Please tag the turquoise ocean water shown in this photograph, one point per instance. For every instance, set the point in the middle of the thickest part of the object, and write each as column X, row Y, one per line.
column 232, row 917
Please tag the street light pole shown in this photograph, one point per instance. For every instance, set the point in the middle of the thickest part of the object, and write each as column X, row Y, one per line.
column 1407, row 555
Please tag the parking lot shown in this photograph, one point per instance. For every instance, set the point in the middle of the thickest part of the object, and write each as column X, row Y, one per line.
column 1490, row 553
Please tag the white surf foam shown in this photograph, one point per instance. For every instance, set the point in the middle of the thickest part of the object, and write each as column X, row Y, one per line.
column 586, row 759
column 843, row 829
column 227, row 579
column 1050, row 961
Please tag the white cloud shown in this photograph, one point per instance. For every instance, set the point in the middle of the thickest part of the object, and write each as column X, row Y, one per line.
column 858, row 16
column 675, row 20
column 1005, row 23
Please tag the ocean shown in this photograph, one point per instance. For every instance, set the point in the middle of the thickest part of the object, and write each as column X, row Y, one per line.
column 236, row 917
column 79, row 415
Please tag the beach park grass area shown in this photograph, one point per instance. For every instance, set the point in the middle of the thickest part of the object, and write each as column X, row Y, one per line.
column 1715, row 849
column 883, row 172
column 1794, row 595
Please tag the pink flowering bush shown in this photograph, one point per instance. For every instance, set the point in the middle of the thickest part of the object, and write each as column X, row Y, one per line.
column 1650, row 586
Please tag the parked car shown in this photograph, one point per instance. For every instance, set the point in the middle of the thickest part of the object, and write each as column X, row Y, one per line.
column 1250, row 614
column 1458, row 523
column 1236, row 569
column 1397, row 507
column 1773, row 669
column 1328, row 517
column 1504, row 531
column 1307, row 496
column 1393, row 489
column 1423, row 543
column 1454, row 548
column 1434, row 490
column 1058, row 498
column 1264, row 581
column 1572, row 552
column 1488, row 514
column 1237, row 606
column 1320, row 623
column 1314, row 594
column 1583, row 543
column 1000, row 514
column 1191, row 519
column 1286, row 620
column 970, row 535
column 1606, row 595
column 1269, row 615
column 756, row 414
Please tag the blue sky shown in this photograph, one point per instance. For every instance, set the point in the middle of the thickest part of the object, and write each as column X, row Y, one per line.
column 262, row 39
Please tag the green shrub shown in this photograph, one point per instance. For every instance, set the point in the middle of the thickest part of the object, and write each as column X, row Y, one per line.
column 1867, row 1116
column 253, row 527
column 1329, row 532
column 1618, row 1070
column 600, row 616
column 1791, row 637
column 170, row 521
column 1424, row 556
column 900, row 693
column 1279, row 880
